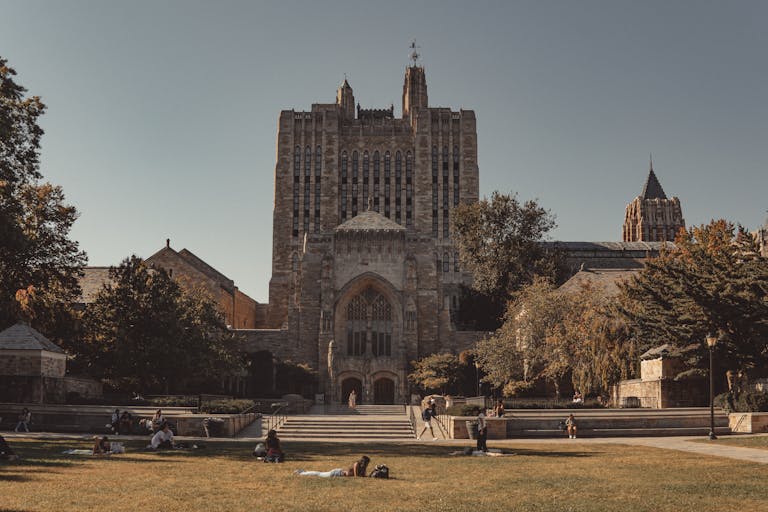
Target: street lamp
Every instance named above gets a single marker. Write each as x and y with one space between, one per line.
711 342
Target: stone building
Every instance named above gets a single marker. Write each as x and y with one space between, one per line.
240 311
365 275
33 369
651 217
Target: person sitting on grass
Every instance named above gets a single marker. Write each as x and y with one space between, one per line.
359 468
163 439
570 425
102 446
272 444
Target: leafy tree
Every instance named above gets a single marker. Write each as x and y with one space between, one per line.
145 333
438 372
499 242
39 264
713 281
555 336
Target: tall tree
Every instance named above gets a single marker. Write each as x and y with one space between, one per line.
145 333
39 263
499 242
713 281
438 372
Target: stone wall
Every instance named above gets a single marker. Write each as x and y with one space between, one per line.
662 393
32 363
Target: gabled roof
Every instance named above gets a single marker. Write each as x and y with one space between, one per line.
203 267
652 188
604 279
369 221
23 337
92 281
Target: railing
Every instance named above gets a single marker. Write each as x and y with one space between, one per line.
278 415
411 419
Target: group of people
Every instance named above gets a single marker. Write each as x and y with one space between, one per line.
121 422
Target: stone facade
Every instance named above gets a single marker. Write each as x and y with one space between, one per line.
365 275
651 217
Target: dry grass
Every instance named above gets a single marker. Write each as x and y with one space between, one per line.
224 476
760 441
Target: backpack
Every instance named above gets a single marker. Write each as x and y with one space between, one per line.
381 471
426 414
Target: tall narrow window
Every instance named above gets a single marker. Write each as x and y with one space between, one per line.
381 327
376 180
408 189
387 178
318 173
455 261
343 186
434 190
354 183
398 187
446 262
357 318
366 163
307 175
446 192
455 175
296 185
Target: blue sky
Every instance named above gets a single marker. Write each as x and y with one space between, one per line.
162 115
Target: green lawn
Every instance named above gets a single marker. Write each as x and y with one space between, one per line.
224 476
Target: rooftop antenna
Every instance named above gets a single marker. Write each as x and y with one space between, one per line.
414 53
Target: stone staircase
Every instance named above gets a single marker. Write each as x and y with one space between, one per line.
332 422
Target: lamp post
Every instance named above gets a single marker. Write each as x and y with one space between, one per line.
711 342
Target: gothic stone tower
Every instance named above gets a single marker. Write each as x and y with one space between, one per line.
651 217
365 275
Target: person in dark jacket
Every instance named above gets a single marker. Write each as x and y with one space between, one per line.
427 414
274 451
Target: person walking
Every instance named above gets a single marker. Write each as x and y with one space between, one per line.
352 399
482 431
427 414
24 419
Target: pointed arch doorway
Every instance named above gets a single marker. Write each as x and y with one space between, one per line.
347 385
384 391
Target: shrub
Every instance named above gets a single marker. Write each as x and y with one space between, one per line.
226 406
462 410
174 401
748 401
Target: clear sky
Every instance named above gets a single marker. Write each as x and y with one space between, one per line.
162 114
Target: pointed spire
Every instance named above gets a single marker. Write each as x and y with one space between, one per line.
652 188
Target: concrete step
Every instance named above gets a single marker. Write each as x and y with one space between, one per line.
624 432
347 427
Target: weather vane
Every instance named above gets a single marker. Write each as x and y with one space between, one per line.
414 54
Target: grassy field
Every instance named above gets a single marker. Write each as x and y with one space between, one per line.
225 477
747 442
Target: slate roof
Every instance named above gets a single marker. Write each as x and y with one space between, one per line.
609 246
606 279
652 188
204 267
93 280
369 221
23 337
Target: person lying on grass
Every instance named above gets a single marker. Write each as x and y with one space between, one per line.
102 446
357 469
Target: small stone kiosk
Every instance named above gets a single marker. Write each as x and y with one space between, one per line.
33 368
658 386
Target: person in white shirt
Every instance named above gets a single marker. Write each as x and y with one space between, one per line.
482 430
163 438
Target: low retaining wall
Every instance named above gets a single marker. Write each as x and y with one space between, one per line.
94 419
748 422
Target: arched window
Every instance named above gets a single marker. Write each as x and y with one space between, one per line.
376 178
369 316
446 262
434 190
307 174
318 173
408 189
366 163
296 186
446 192
455 175
387 177
354 183
398 187
357 318
343 185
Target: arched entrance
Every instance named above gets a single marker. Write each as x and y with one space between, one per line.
347 385
384 391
